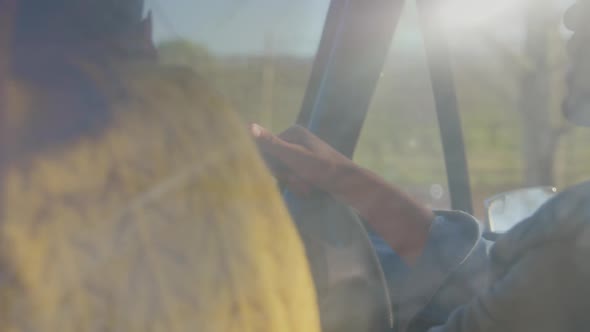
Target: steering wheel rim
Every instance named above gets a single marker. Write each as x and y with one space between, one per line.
350 283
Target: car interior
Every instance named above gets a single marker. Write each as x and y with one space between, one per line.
388 85
322 64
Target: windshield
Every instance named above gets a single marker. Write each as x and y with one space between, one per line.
259 53
509 64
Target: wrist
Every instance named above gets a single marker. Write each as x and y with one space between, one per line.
400 220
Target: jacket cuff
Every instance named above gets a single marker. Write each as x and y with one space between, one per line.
452 238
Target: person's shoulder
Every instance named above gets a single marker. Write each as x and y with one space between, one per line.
563 219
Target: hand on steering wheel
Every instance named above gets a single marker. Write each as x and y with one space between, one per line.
352 292
300 159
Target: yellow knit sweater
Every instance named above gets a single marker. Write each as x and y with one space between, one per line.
167 221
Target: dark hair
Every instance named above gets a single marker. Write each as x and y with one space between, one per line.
79 20
67 24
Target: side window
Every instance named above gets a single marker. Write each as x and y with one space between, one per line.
400 139
510 65
258 53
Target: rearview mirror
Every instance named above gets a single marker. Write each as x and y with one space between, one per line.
505 210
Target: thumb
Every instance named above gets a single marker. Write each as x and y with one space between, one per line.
259 132
273 147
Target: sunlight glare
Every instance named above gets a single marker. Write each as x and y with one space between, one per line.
472 14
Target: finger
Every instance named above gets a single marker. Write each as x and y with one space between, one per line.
293 156
296 134
273 163
298 159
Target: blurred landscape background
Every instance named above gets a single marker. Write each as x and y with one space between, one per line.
509 64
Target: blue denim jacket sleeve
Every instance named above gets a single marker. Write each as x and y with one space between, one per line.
539 272
533 278
453 269
450 272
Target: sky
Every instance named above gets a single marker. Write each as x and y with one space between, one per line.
294 27
243 26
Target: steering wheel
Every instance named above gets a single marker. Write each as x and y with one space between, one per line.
353 295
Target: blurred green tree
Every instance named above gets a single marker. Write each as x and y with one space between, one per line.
186 53
541 93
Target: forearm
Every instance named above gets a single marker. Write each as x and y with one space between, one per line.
400 220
